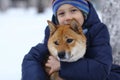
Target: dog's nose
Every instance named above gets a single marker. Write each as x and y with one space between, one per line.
61 55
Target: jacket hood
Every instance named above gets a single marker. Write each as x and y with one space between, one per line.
92 17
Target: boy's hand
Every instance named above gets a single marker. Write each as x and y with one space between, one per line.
53 64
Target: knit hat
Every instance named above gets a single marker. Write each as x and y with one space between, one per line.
80 4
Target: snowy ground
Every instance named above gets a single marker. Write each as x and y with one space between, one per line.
20 29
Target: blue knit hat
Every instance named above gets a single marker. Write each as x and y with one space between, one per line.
80 4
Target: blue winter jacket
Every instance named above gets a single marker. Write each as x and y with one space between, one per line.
96 64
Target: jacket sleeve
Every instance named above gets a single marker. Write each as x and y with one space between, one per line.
97 61
32 68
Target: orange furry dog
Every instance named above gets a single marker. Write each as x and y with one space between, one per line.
66 43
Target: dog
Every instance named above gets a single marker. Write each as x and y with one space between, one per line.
66 43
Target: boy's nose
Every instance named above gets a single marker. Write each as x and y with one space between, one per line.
68 18
61 55
67 21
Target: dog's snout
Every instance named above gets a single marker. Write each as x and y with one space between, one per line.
61 55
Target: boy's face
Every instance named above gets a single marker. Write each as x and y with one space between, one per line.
66 12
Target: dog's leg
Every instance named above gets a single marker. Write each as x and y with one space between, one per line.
55 76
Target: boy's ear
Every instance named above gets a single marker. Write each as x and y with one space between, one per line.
76 26
52 27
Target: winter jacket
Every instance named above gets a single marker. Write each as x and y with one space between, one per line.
96 64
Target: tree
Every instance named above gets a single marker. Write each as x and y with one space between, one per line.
111 17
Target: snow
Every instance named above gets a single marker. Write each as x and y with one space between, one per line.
20 29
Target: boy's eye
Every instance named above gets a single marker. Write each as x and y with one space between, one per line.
61 13
74 10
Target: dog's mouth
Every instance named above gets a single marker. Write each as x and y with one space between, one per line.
65 57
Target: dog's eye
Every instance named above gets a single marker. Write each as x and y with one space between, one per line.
56 43
69 40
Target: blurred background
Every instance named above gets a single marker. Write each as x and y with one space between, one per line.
39 4
22 24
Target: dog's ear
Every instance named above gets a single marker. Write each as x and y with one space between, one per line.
76 26
52 27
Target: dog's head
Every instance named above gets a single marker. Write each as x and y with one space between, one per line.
67 42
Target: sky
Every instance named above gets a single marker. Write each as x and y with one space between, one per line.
20 29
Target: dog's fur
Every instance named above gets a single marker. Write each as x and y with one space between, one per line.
66 43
